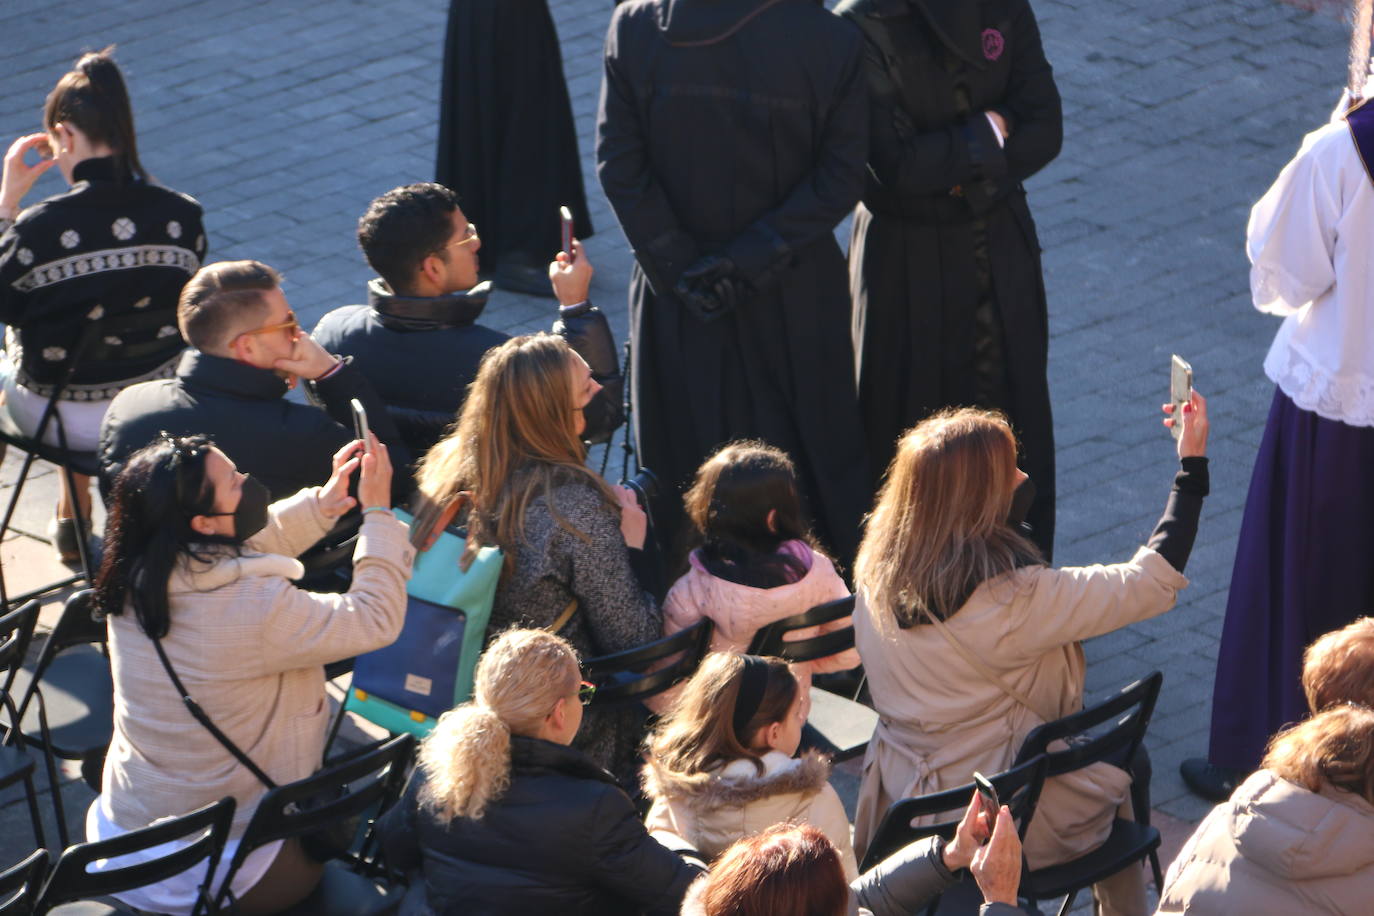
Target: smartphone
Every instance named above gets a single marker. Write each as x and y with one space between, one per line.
1180 390
566 216
360 427
989 795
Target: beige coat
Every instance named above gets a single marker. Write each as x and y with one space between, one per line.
740 611
250 647
1276 849
713 812
940 719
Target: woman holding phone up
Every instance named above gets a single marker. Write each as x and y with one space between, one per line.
970 640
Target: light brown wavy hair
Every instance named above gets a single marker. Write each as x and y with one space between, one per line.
1335 747
515 436
466 759
939 528
698 732
1339 667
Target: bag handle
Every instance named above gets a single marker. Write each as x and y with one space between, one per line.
977 664
199 715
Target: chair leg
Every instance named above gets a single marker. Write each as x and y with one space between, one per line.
50 763
1158 873
9 516
31 795
1068 903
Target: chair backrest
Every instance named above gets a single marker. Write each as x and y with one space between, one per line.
1017 788
1131 709
629 676
20 884
77 625
16 631
348 787
206 829
770 640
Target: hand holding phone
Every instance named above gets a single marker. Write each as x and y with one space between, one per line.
360 427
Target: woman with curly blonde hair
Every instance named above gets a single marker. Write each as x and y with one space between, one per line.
573 544
503 816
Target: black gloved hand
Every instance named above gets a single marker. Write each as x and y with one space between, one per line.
712 287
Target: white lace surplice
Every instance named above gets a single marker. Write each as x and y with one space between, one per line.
1309 246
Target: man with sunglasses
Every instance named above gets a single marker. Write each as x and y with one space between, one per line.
418 341
247 351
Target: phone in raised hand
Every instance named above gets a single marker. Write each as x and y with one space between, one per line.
360 427
565 215
1180 390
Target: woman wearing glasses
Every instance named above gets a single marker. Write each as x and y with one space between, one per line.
114 246
502 816
197 582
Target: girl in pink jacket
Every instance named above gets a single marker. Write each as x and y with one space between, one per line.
754 560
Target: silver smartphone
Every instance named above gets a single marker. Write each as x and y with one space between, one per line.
1180 390
360 427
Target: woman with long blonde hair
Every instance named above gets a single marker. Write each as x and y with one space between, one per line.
721 764
573 544
503 816
970 641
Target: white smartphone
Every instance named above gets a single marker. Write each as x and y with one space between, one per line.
1180 390
360 427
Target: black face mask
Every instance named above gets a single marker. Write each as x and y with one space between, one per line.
1021 501
251 515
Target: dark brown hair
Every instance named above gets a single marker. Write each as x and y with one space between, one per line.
92 97
1339 667
223 300
788 870
728 507
1335 747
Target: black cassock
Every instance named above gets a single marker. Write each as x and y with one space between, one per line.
507 143
949 301
739 127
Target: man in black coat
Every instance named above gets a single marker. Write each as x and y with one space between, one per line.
418 341
731 141
246 352
949 301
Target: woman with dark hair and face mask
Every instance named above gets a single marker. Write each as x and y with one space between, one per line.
197 582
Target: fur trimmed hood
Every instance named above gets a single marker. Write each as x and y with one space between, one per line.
739 782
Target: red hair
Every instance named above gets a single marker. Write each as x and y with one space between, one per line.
788 870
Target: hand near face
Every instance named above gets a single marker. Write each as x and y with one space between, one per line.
307 360
18 176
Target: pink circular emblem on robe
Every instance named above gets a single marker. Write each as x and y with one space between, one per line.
993 43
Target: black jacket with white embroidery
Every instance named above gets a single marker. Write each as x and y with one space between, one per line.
105 249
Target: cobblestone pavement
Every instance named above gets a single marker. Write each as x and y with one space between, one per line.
285 118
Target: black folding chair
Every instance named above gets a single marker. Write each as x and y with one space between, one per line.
204 831
73 716
1129 841
16 629
110 341
836 726
358 785
1018 788
20 884
631 676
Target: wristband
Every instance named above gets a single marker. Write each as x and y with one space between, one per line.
338 364
386 509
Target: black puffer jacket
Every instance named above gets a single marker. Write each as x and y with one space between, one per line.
563 839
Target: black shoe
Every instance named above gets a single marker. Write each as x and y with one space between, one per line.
1208 780
522 276
64 536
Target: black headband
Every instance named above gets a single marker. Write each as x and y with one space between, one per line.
753 685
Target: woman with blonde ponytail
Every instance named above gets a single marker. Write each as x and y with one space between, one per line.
573 544
502 816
